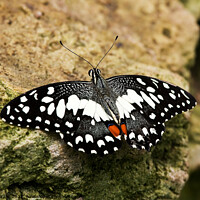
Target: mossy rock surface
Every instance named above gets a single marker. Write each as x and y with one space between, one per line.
153 40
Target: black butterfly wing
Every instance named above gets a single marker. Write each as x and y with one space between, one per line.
153 102
67 108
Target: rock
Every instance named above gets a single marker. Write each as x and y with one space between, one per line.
193 6
153 40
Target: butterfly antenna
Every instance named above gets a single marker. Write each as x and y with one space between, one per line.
76 54
107 51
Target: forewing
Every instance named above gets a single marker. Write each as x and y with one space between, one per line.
46 107
158 101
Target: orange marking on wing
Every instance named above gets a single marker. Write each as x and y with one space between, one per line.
114 130
124 130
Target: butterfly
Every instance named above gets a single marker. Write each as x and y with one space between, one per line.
92 117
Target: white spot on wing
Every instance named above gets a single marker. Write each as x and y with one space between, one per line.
26 109
61 135
12 117
93 122
47 121
3 119
153 131
42 108
105 152
166 85
89 138
100 143
154 98
115 149
23 99
154 80
47 99
16 110
51 108
133 117
21 105
135 97
101 113
60 109
70 144
78 139
148 100
36 96
33 92
93 152
172 96
134 146
29 120
140 138
183 92
57 125
81 149
160 97
69 124
152 116
150 89
50 90
172 91
73 103
170 105
188 102
39 119
20 119
145 131
131 135
125 103
90 108
139 80
8 110
109 138
157 141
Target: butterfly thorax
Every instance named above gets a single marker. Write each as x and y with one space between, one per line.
107 96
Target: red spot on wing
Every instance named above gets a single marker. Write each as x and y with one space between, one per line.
124 129
114 130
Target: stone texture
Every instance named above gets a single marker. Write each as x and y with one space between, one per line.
193 6
153 40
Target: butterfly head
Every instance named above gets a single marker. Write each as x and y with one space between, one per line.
95 74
